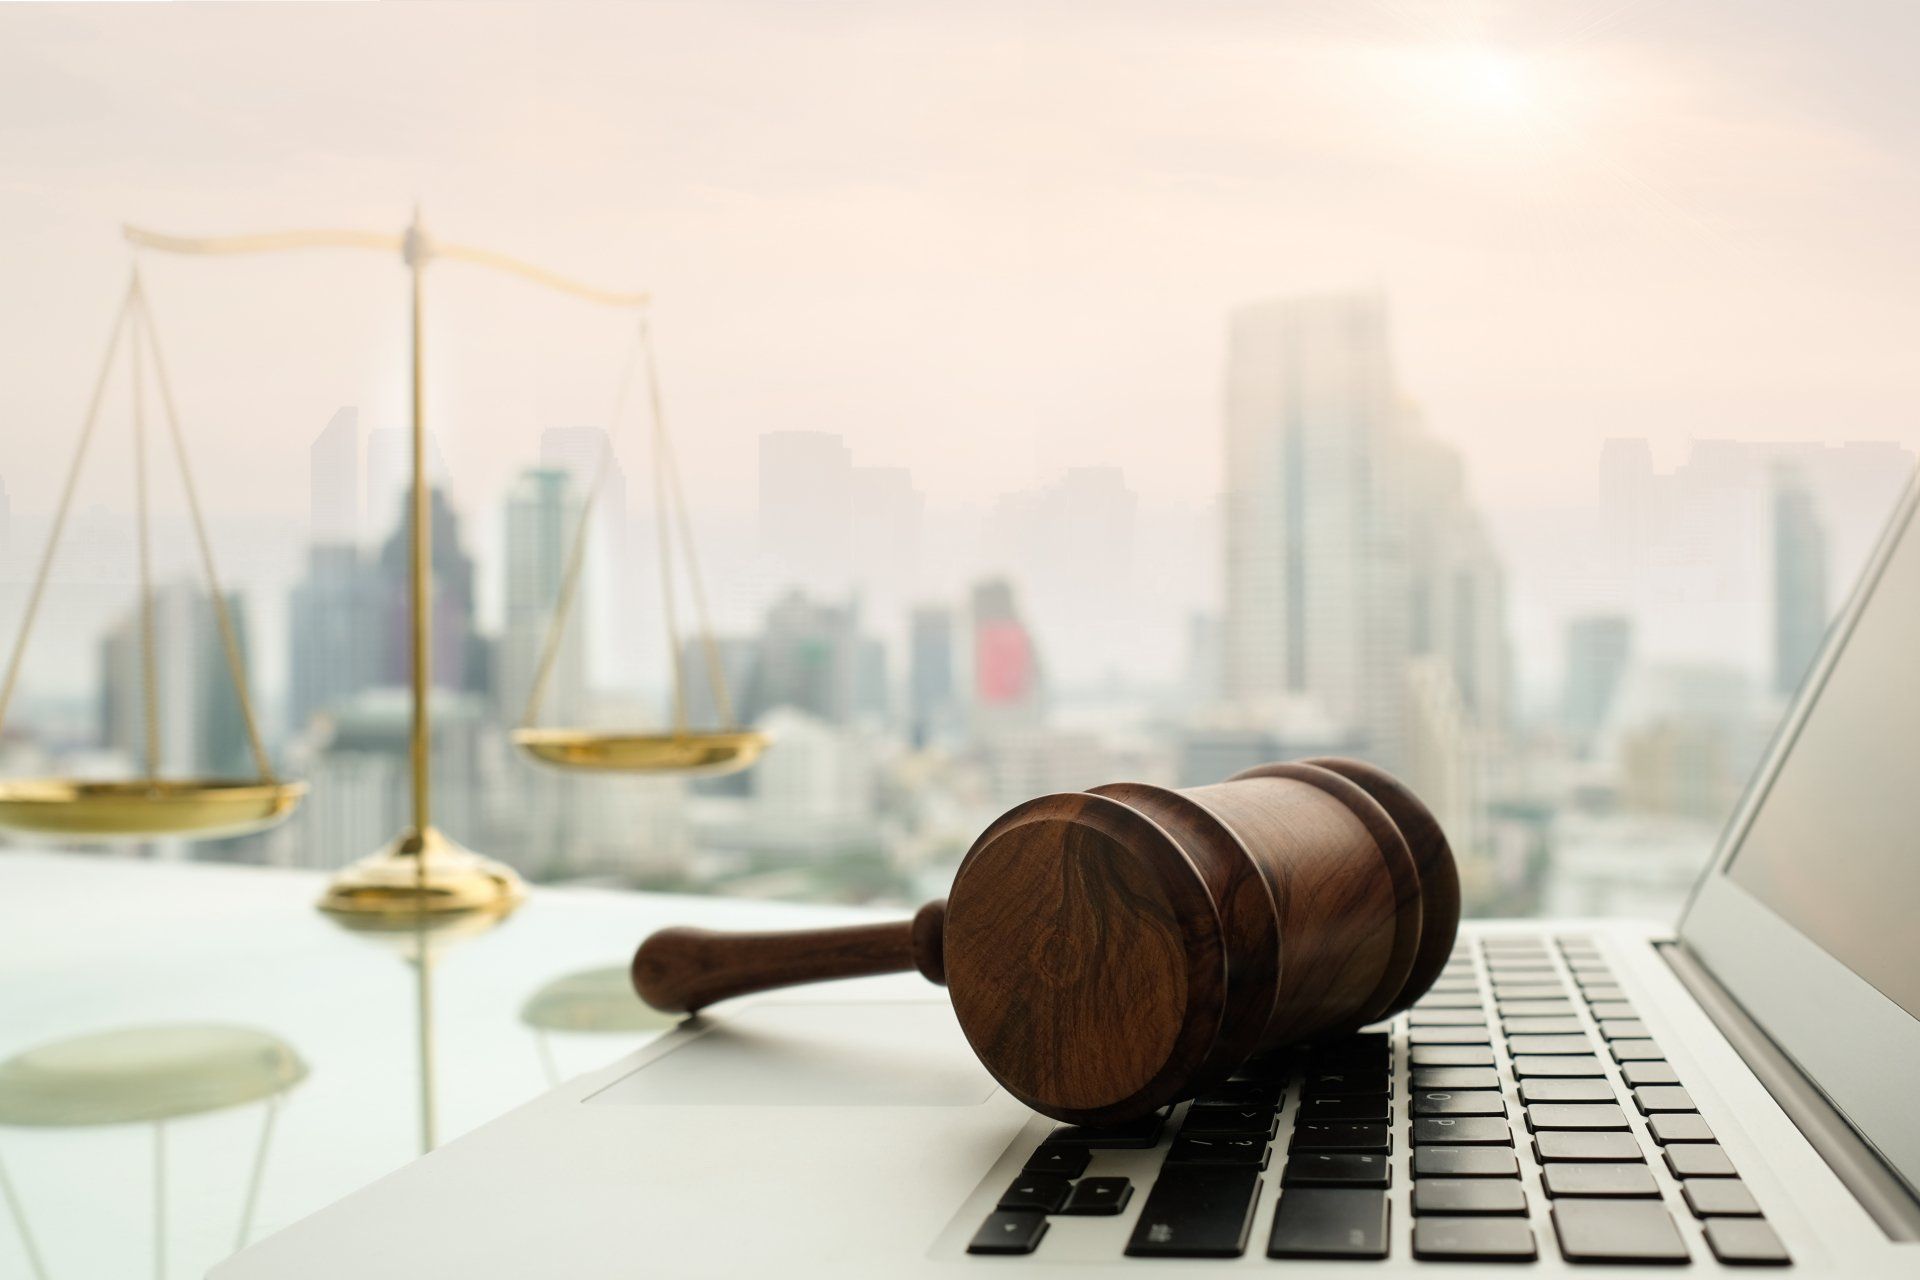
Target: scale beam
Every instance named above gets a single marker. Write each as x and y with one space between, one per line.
421 872
285 241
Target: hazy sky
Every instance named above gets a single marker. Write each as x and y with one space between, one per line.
981 241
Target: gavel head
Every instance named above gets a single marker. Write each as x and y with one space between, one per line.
1113 951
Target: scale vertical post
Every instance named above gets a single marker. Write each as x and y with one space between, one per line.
421 873
420 551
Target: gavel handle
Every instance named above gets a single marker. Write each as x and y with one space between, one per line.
681 970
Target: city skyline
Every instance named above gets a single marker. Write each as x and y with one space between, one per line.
922 665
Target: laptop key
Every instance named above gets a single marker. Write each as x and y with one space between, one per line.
1637 1074
1466 1102
1329 1222
1356 1042
1196 1212
1535 1008
1450 1035
1602 992
1347 1084
1532 1065
1044 1192
1528 991
1469 1195
1454 1078
1009 1231
1576 1115
1449 1000
1247 1120
1136 1134
1720 1198
1465 1239
1543 1027
1465 1162
1669 1127
1623 1029
1446 1017
1099 1197
1336 1169
1464 1131
1746 1242
1377 1109
1631 1181
1449 1055
1573 1144
1051 1157
1699 1160
1548 1045
1617 1231
1313 1135
1609 1010
1241 1093
1663 1097
1219 1148
1566 1089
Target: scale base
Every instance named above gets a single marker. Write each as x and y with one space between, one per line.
422 874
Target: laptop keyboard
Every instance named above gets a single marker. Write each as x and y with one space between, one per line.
1525 1073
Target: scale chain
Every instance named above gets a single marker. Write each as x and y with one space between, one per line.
40 576
149 659
223 615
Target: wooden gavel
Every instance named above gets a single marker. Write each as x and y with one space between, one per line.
1115 950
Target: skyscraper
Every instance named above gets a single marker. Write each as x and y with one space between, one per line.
200 726
1799 581
543 508
1599 648
460 655
333 460
814 657
543 811
583 452
1316 571
389 454
334 633
1007 684
932 705
1456 584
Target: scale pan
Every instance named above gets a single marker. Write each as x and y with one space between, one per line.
200 808
700 753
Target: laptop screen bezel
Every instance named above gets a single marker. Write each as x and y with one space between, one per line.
1851 1041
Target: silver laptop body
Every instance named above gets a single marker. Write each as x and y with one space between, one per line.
848 1131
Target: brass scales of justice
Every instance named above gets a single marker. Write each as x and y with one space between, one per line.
421 872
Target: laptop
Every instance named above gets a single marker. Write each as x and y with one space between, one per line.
1737 1091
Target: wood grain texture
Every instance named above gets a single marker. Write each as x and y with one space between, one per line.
1335 908
1113 951
1432 860
682 970
1248 918
1085 959
1386 866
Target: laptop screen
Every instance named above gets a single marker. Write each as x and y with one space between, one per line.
1811 917
1834 845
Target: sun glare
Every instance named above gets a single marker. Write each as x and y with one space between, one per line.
1493 80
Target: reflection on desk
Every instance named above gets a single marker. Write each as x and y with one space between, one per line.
146 1075
191 1056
